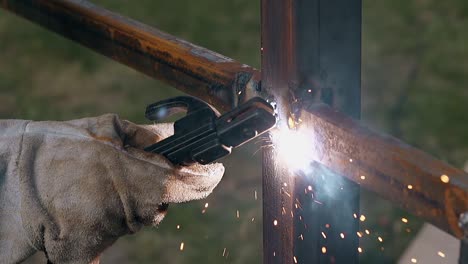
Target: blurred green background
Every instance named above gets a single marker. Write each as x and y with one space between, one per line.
415 73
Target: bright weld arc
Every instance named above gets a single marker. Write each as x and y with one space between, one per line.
293 146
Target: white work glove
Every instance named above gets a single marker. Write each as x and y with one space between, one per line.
73 188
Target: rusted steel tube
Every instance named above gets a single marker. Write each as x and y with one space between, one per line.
406 176
190 68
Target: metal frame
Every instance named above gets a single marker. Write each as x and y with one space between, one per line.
343 145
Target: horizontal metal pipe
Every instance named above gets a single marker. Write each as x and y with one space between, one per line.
192 69
406 176
396 171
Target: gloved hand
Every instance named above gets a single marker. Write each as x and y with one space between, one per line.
72 188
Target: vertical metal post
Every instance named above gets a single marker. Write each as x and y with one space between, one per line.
278 67
311 52
463 258
463 223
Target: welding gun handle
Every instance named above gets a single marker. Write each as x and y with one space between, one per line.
189 148
180 104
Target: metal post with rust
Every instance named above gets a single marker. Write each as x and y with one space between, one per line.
278 69
311 52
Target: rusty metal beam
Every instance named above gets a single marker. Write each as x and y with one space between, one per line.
389 165
406 176
190 68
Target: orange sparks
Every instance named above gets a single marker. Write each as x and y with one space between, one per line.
275 222
441 254
324 250
404 220
362 218
445 179
181 246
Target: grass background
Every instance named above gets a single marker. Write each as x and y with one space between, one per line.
415 73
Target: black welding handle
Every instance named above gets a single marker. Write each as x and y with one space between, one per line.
194 138
180 104
202 135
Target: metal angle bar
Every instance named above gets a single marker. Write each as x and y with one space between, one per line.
190 68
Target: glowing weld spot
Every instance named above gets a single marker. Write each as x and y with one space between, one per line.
293 147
